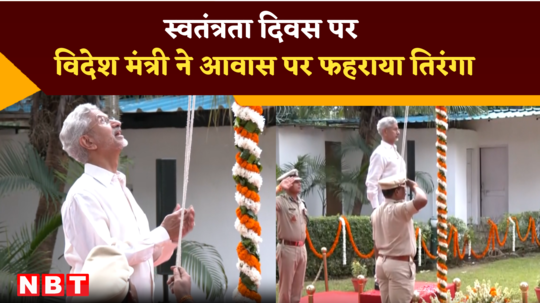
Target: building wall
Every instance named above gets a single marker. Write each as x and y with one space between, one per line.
210 190
522 138
466 139
296 141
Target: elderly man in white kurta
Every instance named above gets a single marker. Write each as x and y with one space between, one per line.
385 161
100 209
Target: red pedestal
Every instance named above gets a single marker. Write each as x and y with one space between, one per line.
426 290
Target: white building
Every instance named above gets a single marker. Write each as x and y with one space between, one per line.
211 188
498 151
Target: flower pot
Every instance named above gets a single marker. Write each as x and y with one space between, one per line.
356 285
537 290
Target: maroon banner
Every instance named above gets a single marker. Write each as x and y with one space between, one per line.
501 37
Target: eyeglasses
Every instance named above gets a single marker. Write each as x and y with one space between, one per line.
104 120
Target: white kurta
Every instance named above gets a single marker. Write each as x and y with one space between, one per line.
385 161
100 210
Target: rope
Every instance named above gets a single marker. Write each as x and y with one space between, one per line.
187 157
318 274
404 140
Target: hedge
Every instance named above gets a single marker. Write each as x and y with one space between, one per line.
323 230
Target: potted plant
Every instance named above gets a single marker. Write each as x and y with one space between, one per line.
357 269
537 289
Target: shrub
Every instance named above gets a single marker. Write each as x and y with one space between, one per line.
323 230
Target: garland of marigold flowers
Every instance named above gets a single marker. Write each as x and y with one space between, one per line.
336 240
442 225
531 228
331 251
248 124
453 233
501 243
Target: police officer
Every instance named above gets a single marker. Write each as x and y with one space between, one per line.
385 161
291 254
395 240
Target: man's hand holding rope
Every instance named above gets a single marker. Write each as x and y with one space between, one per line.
171 223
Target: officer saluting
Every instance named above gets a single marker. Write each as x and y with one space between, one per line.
395 239
291 254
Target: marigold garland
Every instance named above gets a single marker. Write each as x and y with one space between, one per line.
501 243
493 233
244 255
248 193
244 133
356 250
245 164
442 225
257 109
455 234
248 124
531 229
490 238
248 221
328 253
253 295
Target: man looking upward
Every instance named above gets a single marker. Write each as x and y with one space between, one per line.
101 211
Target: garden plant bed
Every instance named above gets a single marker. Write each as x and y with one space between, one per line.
508 272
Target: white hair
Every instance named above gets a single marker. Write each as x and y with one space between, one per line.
385 123
75 126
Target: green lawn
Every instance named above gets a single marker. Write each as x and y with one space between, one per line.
508 273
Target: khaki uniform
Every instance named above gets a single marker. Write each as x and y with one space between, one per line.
291 254
394 236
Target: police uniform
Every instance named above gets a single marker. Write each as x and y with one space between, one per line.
394 237
291 254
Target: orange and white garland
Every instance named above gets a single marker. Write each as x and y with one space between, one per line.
248 125
442 225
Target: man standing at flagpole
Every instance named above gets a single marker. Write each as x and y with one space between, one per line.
385 161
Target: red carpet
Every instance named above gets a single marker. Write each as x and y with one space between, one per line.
426 290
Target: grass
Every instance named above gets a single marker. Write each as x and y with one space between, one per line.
507 273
